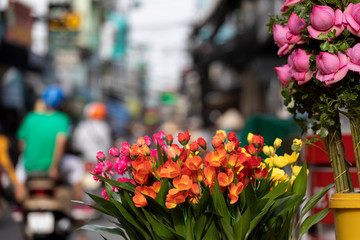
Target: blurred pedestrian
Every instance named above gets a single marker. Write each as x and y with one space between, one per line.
42 136
93 134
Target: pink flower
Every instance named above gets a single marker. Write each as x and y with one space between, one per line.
147 140
101 169
104 194
296 25
323 19
300 66
354 55
284 74
114 152
289 3
121 166
125 149
280 38
100 156
331 68
352 18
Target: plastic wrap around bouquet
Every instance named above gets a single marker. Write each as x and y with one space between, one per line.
187 191
320 41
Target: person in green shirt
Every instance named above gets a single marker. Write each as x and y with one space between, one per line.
42 139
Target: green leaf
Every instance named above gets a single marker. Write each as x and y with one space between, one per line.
159 229
112 230
212 233
200 226
324 46
132 220
219 203
300 183
322 36
200 208
178 220
242 225
161 196
311 220
128 186
189 225
287 204
314 199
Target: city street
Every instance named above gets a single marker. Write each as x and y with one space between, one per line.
11 230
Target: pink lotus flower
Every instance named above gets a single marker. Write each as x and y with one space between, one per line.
289 3
300 66
296 25
121 166
281 40
354 55
331 68
352 18
284 74
324 19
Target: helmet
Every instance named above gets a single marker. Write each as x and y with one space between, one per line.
96 110
53 96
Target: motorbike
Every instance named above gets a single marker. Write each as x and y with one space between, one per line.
46 208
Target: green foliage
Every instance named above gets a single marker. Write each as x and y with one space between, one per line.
257 213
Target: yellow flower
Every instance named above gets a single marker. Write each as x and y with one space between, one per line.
278 175
269 161
297 142
280 161
250 137
277 143
296 170
268 151
291 159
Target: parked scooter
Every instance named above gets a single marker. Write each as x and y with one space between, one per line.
46 209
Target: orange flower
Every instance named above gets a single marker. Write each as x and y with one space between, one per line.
225 179
183 183
216 142
142 164
139 200
193 163
195 189
215 158
175 197
148 191
140 141
233 161
134 151
141 176
144 150
229 147
234 191
156 186
221 134
173 152
169 170
210 175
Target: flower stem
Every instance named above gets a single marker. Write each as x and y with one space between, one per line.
336 153
355 133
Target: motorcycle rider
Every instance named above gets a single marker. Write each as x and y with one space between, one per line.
42 136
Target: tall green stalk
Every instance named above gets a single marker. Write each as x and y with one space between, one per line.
336 151
355 133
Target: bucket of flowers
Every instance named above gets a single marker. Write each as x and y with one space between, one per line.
320 40
187 191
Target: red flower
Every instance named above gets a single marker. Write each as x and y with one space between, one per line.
169 139
231 136
184 138
201 143
194 146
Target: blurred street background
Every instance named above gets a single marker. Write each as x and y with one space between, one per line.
179 65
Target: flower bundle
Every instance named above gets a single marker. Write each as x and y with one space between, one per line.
183 191
320 40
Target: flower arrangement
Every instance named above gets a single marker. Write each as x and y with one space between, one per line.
320 39
184 191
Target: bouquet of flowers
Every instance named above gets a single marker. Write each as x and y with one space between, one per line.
184 191
320 39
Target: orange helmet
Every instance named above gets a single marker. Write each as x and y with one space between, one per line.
96 110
